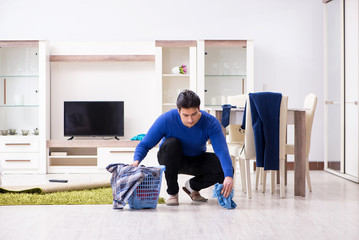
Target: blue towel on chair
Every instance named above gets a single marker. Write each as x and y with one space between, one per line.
224 202
265 110
226 112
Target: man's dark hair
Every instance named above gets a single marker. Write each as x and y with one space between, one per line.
188 99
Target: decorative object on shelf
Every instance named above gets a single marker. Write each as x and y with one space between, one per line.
4 132
180 70
12 131
25 132
183 69
36 131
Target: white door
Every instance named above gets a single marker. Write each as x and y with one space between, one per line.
334 91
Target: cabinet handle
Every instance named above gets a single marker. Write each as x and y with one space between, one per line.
121 151
17 160
17 144
329 102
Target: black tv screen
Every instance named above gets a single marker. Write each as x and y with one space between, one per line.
94 118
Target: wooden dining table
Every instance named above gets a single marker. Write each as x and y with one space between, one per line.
296 117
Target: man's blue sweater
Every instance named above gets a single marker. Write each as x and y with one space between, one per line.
193 139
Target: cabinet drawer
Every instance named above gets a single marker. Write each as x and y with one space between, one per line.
19 160
19 144
107 156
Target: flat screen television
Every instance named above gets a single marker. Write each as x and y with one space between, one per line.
100 118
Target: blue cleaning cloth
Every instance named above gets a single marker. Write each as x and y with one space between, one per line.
226 113
139 137
224 202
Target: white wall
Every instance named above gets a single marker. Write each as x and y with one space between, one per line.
287 34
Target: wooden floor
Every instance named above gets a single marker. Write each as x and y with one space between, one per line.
331 211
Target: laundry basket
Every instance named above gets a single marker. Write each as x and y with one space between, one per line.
146 194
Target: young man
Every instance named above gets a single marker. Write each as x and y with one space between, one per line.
184 133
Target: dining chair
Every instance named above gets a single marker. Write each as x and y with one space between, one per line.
310 104
282 147
246 152
235 138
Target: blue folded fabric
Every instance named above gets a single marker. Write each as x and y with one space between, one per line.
224 202
138 137
226 113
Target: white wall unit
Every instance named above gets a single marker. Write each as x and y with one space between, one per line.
225 68
341 88
24 104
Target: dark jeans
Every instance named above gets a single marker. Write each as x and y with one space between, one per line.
206 168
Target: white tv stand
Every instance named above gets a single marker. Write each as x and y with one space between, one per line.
92 156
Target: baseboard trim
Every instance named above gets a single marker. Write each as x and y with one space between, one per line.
312 165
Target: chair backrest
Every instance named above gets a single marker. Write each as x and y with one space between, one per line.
249 149
238 100
234 135
283 126
310 102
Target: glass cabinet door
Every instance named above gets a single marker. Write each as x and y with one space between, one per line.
19 85
225 71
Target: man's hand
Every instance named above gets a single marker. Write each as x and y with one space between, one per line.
227 186
135 163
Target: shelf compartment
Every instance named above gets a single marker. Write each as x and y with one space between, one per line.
74 157
73 161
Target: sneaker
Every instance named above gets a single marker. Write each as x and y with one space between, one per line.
172 200
195 196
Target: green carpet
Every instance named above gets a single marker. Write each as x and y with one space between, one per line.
88 196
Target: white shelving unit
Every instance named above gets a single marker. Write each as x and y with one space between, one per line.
24 105
169 55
